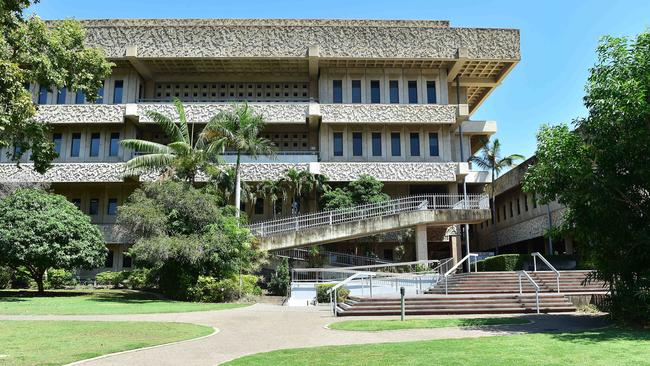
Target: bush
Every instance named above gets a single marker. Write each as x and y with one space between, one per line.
280 280
21 279
5 277
322 296
60 278
141 278
208 289
110 278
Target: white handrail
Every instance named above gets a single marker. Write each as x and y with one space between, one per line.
356 213
333 289
549 265
530 279
455 267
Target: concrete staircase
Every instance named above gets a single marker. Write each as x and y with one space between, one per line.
570 282
456 304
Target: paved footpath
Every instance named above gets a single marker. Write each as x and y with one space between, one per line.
265 327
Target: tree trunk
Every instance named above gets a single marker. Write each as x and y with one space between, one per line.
237 188
39 283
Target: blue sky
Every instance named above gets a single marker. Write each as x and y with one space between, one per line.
558 39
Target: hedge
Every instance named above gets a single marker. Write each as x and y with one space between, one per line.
322 296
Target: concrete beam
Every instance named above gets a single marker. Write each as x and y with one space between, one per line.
138 65
313 54
461 58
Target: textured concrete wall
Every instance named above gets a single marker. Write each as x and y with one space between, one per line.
272 112
388 113
80 113
219 38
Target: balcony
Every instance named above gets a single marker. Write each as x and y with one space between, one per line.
80 113
389 113
297 157
203 112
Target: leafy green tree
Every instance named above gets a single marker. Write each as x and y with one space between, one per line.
281 279
53 55
490 159
39 230
337 198
238 130
273 190
183 157
182 232
366 189
601 172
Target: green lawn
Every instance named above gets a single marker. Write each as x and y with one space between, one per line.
376 325
593 348
96 302
62 342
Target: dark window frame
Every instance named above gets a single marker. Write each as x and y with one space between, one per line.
376 144
395 149
337 91
414 149
393 91
337 144
355 91
357 143
412 87
94 148
375 91
434 149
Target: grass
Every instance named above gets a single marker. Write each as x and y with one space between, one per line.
593 348
377 325
97 303
62 342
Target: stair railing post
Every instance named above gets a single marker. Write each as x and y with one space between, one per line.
520 289
335 299
537 299
534 263
330 218
370 286
446 291
557 278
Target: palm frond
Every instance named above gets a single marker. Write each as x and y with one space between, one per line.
145 146
182 118
149 163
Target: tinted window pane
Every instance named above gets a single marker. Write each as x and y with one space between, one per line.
114 147
75 145
338 143
395 146
376 144
415 144
93 208
356 91
337 91
60 96
357 144
80 97
375 93
57 139
111 209
394 91
100 95
42 95
413 91
117 91
433 144
94 144
431 92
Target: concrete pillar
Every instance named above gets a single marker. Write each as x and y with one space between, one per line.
421 248
456 249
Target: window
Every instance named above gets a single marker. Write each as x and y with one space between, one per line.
57 139
414 139
525 203
375 91
118 91
126 261
413 91
395 145
393 85
60 96
356 91
504 213
80 97
259 206
510 204
109 259
114 145
431 92
42 95
357 144
94 144
75 145
376 144
77 202
93 207
111 208
337 91
433 144
518 207
100 95
338 143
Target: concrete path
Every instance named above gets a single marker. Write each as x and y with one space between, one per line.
265 327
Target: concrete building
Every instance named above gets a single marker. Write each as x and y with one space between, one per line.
392 99
521 224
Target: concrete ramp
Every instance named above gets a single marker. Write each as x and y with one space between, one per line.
361 221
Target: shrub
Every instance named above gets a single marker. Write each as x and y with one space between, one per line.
322 296
5 277
503 262
208 289
21 279
60 278
110 278
280 280
141 278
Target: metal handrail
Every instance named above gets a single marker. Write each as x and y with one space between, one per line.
530 279
332 292
361 212
339 258
455 267
549 265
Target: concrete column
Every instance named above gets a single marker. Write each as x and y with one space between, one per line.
456 249
421 248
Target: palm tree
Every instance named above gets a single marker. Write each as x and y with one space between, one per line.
237 130
490 159
224 180
298 182
273 190
181 157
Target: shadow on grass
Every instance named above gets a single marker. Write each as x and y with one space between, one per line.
591 337
544 323
116 296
